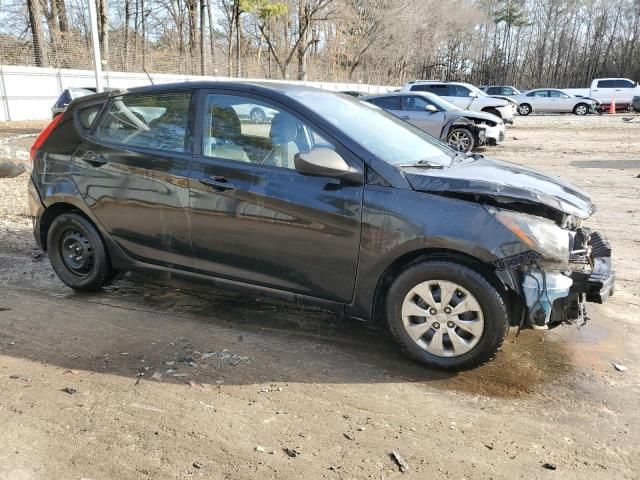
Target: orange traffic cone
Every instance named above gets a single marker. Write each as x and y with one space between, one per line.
612 107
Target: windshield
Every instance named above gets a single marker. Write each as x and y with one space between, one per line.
390 139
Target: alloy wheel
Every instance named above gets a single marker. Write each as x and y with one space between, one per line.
443 318
460 141
581 110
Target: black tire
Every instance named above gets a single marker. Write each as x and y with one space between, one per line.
524 109
493 111
581 109
257 115
461 139
67 233
496 322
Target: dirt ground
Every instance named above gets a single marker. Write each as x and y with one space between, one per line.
171 384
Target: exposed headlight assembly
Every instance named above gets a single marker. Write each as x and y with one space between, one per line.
539 234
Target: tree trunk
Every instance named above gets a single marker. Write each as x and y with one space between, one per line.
103 30
212 36
37 34
203 24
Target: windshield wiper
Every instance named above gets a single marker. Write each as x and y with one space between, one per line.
422 164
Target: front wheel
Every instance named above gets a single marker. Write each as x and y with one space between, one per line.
581 109
524 109
77 253
461 139
446 315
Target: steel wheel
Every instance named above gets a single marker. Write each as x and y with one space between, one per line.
461 140
442 318
76 252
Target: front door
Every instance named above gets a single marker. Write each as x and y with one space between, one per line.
414 107
254 218
133 171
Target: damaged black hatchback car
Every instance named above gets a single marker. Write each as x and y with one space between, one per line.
319 199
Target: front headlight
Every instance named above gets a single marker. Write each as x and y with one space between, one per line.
539 234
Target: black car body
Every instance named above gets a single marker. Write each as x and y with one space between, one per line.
336 204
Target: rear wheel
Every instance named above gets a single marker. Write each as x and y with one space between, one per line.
77 253
257 115
446 315
461 139
581 109
524 109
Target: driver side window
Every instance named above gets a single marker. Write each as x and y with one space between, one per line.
248 130
414 104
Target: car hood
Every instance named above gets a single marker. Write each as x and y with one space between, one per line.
505 180
472 114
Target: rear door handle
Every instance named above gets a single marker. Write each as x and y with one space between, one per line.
220 184
95 159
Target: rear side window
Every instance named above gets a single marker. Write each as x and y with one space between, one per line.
607 84
388 103
87 116
538 93
157 121
494 91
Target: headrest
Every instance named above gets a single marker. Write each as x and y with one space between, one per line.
284 128
225 124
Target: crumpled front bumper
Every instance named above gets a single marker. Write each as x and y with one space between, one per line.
599 284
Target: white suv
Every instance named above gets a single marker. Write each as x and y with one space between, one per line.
465 96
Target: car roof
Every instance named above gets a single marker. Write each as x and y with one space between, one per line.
281 87
399 94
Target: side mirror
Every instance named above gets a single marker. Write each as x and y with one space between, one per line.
473 94
325 162
430 109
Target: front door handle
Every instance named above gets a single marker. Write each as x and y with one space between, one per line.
94 158
220 184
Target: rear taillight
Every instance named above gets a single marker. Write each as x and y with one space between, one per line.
42 136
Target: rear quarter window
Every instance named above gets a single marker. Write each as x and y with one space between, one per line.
87 116
157 121
607 84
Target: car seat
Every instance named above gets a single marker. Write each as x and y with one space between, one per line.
284 130
225 130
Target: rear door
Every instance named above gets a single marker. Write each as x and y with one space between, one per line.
391 104
254 218
413 107
132 170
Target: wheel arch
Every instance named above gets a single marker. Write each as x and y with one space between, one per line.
408 259
53 211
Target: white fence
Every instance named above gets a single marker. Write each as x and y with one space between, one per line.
28 93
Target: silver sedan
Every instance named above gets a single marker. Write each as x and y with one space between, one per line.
547 100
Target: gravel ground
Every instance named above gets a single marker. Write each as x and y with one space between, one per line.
164 383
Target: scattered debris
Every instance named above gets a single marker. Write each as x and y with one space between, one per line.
549 466
69 390
628 119
348 436
197 465
156 375
171 364
4 309
489 446
225 357
14 377
260 449
37 255
206 405
180 375
361 429
292 452
402 465
73 372
619 367
138 378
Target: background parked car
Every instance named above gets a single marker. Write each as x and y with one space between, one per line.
554 100
67 95
465 96
254 113
500 90
636 103
432 114
622 90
